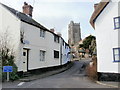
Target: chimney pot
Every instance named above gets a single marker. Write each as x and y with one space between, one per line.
27 9
52 30
25 3
59 34
95 6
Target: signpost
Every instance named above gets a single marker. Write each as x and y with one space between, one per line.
7 69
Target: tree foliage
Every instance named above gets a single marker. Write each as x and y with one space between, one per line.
88 41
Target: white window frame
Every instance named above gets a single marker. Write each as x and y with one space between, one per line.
116 54
42 55
56 53
42 33
56 39
117 23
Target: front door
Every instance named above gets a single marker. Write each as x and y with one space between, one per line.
25 60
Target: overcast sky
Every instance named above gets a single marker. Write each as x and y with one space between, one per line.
57 14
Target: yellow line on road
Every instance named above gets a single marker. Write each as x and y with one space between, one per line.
106 84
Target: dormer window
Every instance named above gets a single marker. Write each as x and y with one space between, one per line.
117 23
42 33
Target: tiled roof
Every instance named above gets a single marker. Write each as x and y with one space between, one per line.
23 17
98 10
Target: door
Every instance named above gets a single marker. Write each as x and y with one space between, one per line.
25 60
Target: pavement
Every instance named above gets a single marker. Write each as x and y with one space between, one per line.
109 83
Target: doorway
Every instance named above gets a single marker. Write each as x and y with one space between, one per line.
25 60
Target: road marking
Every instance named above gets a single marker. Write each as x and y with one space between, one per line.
20 84
107 84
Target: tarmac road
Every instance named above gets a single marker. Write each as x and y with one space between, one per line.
72 78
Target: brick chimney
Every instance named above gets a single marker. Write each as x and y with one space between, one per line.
95 6
59 34
27 9
52 30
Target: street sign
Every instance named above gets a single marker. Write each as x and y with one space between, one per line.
7 68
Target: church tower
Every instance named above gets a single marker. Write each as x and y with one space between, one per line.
74 33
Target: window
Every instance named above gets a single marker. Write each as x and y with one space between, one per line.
24 53
65 46
117 22
56 38
42 55
56 54
42 33
116 54
63 42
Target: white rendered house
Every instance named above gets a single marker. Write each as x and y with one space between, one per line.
106 22
34 45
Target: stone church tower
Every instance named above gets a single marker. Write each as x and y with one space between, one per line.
74 33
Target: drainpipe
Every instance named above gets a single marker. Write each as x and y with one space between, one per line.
61 52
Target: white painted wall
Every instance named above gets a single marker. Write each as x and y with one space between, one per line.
36 43
107 39
10 24
65 51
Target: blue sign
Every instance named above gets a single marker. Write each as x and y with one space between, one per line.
7 68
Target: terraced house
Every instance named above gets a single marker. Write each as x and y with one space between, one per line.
34 45
106 22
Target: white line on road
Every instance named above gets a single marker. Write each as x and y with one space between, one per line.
107 84
20 84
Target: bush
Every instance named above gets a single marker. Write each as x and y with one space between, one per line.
92 69
8 60
13 75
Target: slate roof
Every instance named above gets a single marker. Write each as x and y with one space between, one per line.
23 17
98 11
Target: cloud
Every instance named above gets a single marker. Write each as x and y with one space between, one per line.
58 13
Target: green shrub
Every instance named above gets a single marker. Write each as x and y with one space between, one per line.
8 60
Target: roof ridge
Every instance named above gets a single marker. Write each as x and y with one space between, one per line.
98 10
22 16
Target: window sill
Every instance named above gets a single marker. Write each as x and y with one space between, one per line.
56 58
56 42
116 28
116 61
42 37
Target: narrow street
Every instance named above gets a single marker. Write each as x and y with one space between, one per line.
73 78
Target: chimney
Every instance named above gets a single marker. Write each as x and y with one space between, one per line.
59 34
27 9
95 6
52 30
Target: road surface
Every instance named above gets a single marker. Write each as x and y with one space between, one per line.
73 78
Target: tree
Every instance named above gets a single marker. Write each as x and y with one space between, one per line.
88 41
92 47
80 45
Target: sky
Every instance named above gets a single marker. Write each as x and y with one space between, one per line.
57 14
